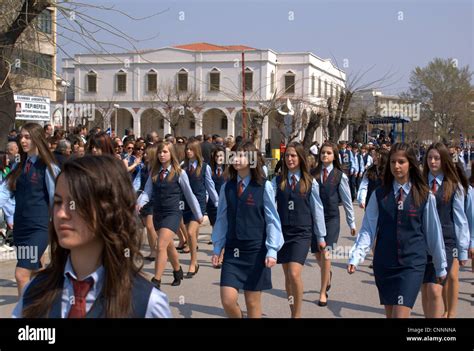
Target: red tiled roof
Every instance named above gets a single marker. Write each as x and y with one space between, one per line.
212 47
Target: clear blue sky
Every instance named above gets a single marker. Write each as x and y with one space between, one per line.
366 33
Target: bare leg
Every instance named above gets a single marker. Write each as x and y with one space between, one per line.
22 277
453 289
151 235
289 293
229 299
434 300
165 237
325 269
253 301
401 311
296 283
193 230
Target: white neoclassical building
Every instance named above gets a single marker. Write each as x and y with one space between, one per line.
212 73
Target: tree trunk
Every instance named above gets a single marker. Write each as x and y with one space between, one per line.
7 104
256 130
313 124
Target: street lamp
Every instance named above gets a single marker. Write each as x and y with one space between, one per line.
116 107
65 84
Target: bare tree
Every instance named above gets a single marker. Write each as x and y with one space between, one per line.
19 34
177 105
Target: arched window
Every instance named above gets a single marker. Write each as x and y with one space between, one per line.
214 80
91 80
121 81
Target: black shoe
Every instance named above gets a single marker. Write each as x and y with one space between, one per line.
371 266
178 276
156 283
330 280
325 303
192 274
149 258
209 242
182 247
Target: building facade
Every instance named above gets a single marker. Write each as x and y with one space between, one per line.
202 83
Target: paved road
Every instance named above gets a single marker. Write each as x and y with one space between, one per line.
350 296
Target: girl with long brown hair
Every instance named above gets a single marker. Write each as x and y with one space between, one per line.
31 184
200 179
372 177
470 214
401 216
95 268
441 176
302 217
333 188
165 187
248 227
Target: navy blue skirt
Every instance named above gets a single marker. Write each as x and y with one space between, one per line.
147 209
211 212
333 227
398 285
188 215
430 272
169 220
244 266
296 246
30 240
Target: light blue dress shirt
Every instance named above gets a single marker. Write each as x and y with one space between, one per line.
193 203
470 213
346 197
363 188
274 240
158 306
461 225
317 209
431 229
7 202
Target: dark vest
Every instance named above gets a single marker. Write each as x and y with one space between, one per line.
346 163
294 208
218 181
400 237
329 193
198 184
365 158
166 195
141 291
31 195
445 213
371 186
245 214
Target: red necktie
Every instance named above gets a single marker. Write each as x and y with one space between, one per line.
241 188
219 172
293 182
191 169
325 175
162 174
434 187
400 195
81 288
28 166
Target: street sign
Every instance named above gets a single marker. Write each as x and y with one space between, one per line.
32 108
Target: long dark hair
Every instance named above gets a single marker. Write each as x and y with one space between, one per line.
306 179
195 147
376 171
38 141
101 141
108 205
213 164
256 173
419 189
448 168
336 164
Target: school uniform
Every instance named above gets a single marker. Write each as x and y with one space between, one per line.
218 179
366 188
147 301
33 199
453 223
405 235
199 184
248 227
302 218
332 191
166 199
